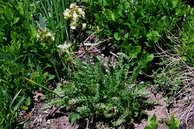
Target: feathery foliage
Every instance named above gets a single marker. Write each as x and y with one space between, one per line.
94 91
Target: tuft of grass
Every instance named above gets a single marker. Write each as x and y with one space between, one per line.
174 75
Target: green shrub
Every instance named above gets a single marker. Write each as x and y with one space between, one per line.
94 91
16 34
21 56
136 25
186 49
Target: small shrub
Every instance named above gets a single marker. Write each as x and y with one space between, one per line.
94 91
172 123
152 123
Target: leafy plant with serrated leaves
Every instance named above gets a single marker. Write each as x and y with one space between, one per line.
96 91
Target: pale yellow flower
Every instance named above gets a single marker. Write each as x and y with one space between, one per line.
75 15
49 34
73 27
67 14
81 12
83 26
64 48
73 5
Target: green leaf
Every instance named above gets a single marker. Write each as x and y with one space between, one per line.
14 99
149 58
51 77
117 36
73 117
110 15
133 51
174 3
28 101
152 123
104 3
15 20
173 123
126 36
153 36
25 108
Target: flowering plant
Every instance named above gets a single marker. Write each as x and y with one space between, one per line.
75 13
64 48
45 35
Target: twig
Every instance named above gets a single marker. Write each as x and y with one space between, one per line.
89 37
98 43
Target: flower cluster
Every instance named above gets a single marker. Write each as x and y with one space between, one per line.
64 48
45 35
74 14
